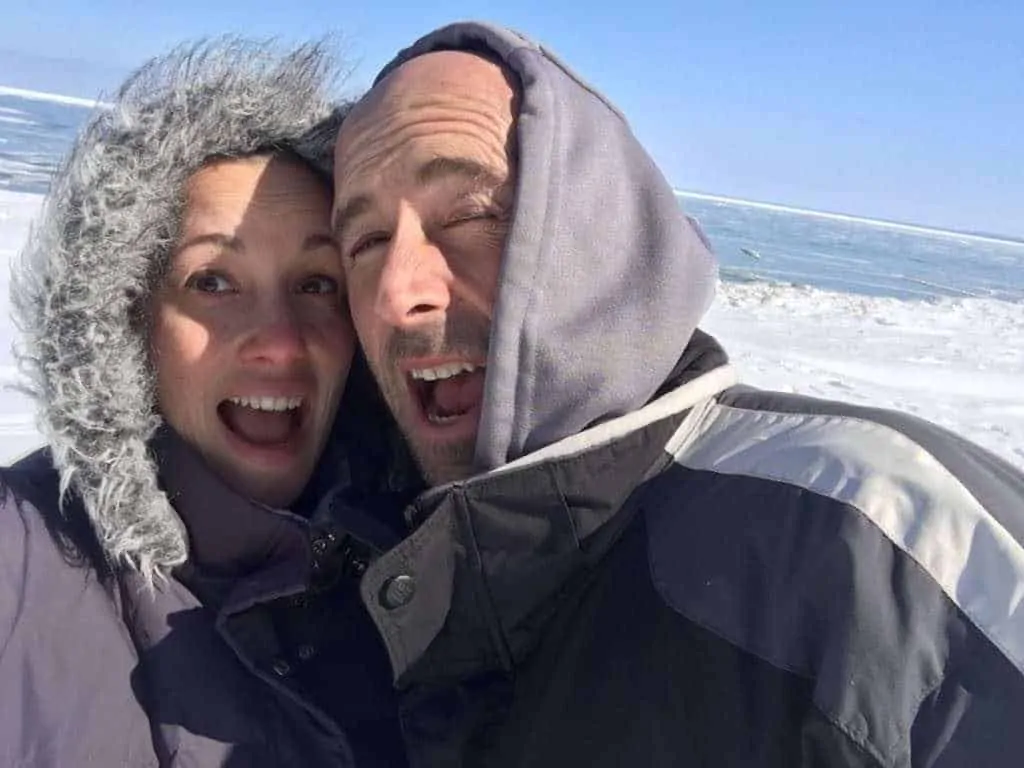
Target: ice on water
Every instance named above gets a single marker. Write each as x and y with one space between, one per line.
878 258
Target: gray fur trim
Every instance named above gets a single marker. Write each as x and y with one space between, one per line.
82 289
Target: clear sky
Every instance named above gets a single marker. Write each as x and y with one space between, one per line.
906 109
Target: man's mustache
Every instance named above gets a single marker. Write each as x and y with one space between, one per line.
463 333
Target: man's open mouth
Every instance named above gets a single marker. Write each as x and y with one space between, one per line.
263 421
448 392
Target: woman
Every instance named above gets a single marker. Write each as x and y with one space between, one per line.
188 343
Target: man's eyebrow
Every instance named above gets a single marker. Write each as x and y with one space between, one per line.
213 238
443 167
319 240
353 209
435 169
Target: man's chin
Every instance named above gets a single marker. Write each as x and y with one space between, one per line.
444 453
445 461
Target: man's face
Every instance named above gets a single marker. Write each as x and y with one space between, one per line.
423 195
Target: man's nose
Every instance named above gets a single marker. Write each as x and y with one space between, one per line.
276 337
415 281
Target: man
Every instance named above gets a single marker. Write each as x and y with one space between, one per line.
625 558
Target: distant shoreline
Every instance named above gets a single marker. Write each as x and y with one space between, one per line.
56 98
975 236
882 223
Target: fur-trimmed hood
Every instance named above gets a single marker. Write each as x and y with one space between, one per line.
81 292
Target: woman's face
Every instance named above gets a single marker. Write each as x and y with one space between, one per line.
252 339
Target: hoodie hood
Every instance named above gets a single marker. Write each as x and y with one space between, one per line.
81 293
604 278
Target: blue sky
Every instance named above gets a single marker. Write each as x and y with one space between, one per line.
906 110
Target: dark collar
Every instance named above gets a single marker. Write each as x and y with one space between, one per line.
702 354
468 590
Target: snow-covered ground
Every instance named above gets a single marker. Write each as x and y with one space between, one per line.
958 362
17 422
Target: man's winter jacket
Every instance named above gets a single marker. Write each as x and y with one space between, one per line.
656 567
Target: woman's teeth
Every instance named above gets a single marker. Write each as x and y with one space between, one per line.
268 403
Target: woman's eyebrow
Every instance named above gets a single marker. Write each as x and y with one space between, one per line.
230 242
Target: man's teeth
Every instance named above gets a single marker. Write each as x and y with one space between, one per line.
434 418
443 371
268 403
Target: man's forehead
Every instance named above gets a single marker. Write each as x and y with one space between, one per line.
459 75
409 144
442 87
446 69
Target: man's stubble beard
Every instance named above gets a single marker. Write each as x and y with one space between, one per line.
466 334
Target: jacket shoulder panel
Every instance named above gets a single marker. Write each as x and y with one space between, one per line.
31 495
23 490
897 484
806 584
997 485
814 588
65 656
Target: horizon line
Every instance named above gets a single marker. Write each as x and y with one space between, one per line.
57 98
848 217
78 101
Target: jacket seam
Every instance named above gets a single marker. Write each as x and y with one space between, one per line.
481 590
865 747
924 693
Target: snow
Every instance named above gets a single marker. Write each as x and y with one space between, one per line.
18 434
957 362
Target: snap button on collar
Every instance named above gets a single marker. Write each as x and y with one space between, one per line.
397 591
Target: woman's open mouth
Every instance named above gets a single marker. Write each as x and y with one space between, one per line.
264 422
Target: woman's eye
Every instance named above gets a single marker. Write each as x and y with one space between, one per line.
319 284
209 282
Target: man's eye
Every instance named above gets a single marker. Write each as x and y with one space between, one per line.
484 226
210 282
319 284
366 243
473 216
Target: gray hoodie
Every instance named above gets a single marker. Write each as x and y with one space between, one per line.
603 278
82 290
